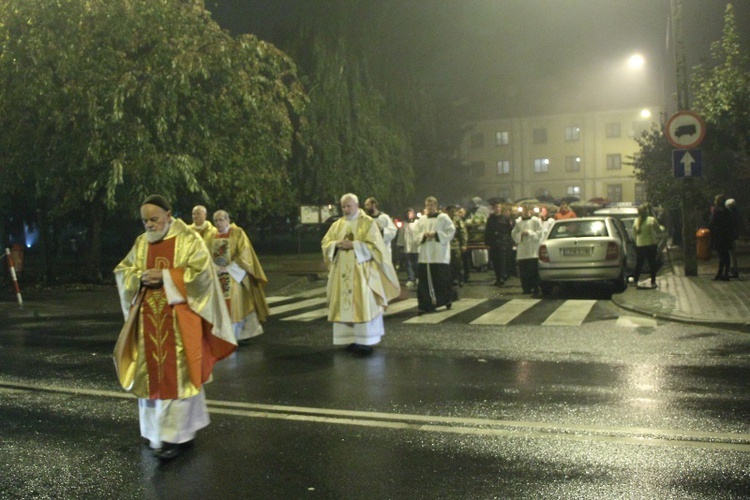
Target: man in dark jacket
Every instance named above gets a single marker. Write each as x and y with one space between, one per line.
721 236
497 237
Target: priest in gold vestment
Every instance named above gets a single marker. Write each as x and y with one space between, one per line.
177 327
200 224
241 276
361 279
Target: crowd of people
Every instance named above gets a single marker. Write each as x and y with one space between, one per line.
191 293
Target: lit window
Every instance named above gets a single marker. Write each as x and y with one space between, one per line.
614 162
503 167
541 165
501 139
572 163
573 191
572 133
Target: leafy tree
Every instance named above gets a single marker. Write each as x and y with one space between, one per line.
722 97
356 140
105 101
722 92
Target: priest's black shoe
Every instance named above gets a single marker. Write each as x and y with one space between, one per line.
168 451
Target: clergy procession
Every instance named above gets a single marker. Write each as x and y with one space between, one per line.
191 294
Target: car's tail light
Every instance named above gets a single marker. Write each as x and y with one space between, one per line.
613 251
543 254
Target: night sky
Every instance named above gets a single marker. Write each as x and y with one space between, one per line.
517 57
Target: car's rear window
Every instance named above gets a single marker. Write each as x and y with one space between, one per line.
578 229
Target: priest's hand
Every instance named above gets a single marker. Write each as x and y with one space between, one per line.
152 277
345 244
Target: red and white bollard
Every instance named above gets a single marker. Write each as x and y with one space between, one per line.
13 275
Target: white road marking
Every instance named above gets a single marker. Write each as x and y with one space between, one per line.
439 316
312 293
400 306
635 321
570 313
277 298
505 313
308 316
443 424
297 305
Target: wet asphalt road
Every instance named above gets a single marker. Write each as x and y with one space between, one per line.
607 409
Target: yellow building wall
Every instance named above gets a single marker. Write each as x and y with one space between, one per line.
593 146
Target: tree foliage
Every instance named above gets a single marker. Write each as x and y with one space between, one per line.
721 95
105 101
356 141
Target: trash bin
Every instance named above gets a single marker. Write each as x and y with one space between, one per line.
703 243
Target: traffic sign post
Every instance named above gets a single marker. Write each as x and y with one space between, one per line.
685 130
687 163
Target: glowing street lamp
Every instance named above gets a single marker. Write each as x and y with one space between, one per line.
636 61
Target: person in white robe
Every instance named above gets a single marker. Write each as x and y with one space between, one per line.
434 231
527 234
361 279
387 228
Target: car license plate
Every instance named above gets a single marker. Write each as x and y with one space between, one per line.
577 252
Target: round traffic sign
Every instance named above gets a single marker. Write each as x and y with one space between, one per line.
685 130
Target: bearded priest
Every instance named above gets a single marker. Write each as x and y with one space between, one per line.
176 327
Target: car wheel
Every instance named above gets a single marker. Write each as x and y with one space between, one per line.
621 284
545 287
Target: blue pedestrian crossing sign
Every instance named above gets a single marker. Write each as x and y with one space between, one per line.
687 163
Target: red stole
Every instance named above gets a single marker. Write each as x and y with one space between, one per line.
158 327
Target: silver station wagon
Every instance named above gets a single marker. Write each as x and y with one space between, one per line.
585 249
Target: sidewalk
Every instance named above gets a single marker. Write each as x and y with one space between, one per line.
695 299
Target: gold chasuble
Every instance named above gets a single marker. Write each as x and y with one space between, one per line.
234 251
167 351
361 281
206 230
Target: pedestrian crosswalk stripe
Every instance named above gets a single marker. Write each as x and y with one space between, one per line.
570 313
403 305
277 298
505 313
308 316
439 316
321 290
297 305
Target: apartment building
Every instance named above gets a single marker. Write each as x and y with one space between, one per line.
581 154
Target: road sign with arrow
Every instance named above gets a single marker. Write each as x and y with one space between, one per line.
687 162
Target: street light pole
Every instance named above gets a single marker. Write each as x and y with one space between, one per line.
686 191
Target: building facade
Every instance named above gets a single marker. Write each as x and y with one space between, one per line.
586 155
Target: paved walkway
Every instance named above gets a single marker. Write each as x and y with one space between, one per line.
693 299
